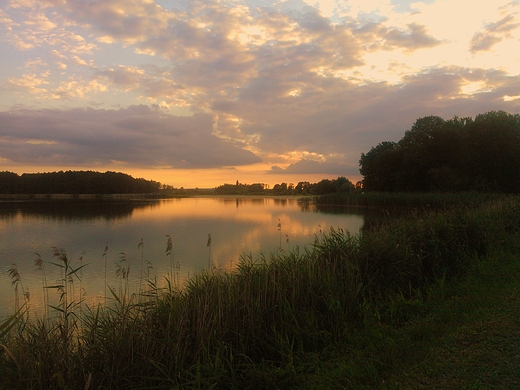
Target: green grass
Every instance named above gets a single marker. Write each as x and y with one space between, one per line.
468 340
410 304
478 332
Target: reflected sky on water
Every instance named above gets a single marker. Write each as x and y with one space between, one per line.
238 226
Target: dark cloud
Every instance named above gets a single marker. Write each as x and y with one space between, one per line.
119 19
122 77
311 20
483 42
377 36
415 38
493 33
139 136
337 118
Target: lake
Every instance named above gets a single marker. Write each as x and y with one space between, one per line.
130 239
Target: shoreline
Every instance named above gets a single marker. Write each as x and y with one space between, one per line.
105 197
244 196
75 196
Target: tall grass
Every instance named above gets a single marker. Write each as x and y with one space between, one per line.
208 245
399 200
39 263
105 255
16 282
141 246
244 329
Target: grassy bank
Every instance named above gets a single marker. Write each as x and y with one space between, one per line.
408 200
353 312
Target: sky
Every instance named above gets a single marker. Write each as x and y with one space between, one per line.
205 92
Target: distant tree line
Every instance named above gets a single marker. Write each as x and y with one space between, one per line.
75 182
324 187
241 189
460 154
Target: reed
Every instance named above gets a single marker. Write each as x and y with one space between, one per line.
169 247
122 274
250 327
82 292
279 226
141 246
16 282
38 262
67 302
105 255
208 245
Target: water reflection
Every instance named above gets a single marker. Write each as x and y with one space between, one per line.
72 210
373 217
242 201
237 225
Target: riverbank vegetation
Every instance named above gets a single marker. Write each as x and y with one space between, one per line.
404 201
75 182
341 185
350 312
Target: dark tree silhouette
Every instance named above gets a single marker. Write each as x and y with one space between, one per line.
75 182
460 154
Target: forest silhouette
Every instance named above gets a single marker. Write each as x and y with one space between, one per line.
459 154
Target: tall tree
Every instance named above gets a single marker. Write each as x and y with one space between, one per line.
493 144
8 182
381 166
459 154
418 147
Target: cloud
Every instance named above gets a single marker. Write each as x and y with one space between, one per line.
119 20
315 167
493 33
211 43
138 136
414 39
339 119
124 77
36 29
377 36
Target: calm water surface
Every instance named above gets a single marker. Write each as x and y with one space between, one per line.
238 226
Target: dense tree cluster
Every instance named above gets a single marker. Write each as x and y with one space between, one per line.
460 154
241 189
75 182
324 187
